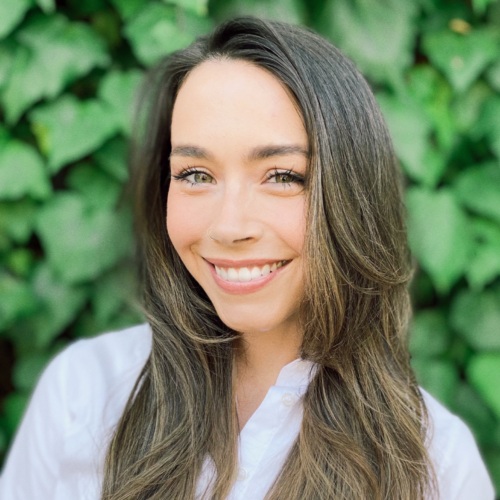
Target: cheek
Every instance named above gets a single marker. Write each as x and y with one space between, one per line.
291 225
183 225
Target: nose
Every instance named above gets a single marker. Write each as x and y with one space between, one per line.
235 217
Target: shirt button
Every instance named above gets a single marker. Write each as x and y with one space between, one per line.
242 474
287 399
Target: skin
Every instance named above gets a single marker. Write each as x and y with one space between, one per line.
237 199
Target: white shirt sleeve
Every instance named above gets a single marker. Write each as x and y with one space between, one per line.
32 465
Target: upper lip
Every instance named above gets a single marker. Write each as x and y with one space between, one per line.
242 263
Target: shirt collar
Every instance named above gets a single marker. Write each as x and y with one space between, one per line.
296 374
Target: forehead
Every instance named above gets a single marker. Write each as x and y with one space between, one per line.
233 96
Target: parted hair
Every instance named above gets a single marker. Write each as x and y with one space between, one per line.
364 428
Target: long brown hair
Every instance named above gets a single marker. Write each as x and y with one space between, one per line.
364 426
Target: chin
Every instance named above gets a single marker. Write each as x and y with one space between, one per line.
241 326
251 323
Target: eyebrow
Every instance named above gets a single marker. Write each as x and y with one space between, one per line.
258 153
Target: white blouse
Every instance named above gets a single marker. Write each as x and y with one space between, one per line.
60 446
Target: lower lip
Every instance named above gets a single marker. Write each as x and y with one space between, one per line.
247 286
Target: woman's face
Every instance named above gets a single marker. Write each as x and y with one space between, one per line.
236 202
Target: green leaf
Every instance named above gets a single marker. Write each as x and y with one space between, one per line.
492 458
467 107
198 7
477 415
17 220
81 242
7 49
439 235
480 6
484 374
18 90
478 189
476 316
429 334
290 11
16 300
4 137
87 8
3 440
51 53
462 58
96 186
22 172
112 157
158 30
493 76
20 262
89 325
488 123
48 6
111 292
361 29
485 264
128 8
28 369
438 376
59 305
14 405
119 90
11 14
410 129
430 91
68 129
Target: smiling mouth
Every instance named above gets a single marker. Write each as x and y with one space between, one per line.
246 274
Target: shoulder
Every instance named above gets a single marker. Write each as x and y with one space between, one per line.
460 470
101 371
89 382
108 355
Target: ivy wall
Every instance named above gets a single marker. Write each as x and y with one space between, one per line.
69 71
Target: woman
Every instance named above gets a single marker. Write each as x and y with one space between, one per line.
275 268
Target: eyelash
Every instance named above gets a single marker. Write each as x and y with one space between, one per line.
294 177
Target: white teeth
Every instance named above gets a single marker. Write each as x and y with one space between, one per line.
232 274
221 272
245 274
256 273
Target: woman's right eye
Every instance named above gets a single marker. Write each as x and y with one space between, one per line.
194 177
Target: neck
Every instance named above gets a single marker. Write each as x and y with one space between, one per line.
263 354
259 360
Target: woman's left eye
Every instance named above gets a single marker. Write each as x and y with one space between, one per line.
285 177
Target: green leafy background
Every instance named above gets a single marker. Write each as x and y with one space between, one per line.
69 73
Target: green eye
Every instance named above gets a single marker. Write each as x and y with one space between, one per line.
194 177
201 178
284 178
